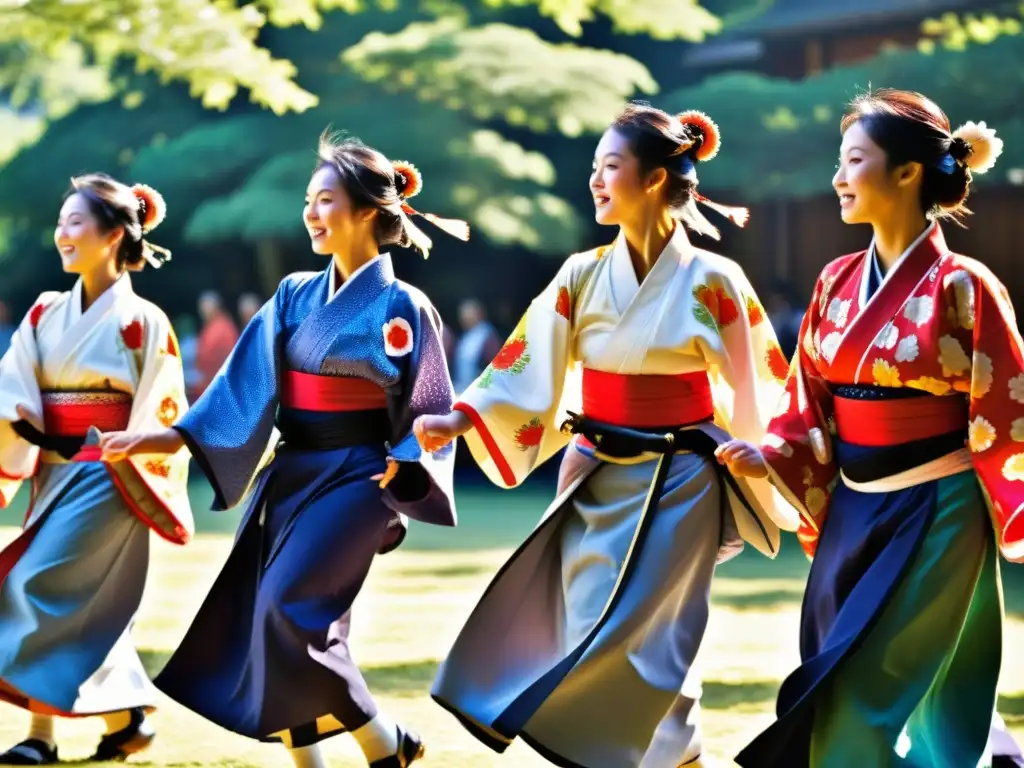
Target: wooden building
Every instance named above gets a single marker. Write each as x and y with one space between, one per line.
790 240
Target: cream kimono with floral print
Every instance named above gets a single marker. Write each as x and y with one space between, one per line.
940 323
120 344
694 311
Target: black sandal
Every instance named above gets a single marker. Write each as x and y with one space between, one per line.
30 752
410 749
1007 761
119 745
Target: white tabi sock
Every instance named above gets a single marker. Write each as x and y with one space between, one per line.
41 727
307 757
378 738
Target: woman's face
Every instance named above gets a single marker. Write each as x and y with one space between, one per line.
619 191
83 247
331 220
868 189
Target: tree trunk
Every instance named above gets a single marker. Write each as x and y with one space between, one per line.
268 266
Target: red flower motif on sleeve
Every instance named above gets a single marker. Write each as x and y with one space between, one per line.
158 467
777 363
512 357
529 435
727 311
131 335
168 411
35 314
172 345
563 305
397 337
755 314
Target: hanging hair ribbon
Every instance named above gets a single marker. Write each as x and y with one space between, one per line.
409 182
734 213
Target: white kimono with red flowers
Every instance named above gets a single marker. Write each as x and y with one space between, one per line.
941 323
582 643
71 583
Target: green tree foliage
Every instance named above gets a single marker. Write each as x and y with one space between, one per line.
781 138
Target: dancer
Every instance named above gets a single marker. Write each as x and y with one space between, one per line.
582 643
71 583
900 447
345 359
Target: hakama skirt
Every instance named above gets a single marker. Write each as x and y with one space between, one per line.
901 634
71 585
267 655
549 656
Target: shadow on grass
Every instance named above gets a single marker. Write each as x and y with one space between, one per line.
415 678
447 572
771 598
1011 707
718 695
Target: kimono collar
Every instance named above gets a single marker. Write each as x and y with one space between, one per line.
120 288
929 246
678 251
378 270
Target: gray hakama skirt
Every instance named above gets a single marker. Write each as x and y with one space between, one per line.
71 585
517 670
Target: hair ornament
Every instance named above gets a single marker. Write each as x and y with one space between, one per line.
152 207
413 178
984 146
711 136
734 213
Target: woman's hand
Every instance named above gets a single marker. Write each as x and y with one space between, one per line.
118 446
387 475
742 459
435 432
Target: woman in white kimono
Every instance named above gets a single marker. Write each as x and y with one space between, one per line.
97 356
584 640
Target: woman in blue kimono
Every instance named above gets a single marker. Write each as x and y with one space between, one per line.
341 362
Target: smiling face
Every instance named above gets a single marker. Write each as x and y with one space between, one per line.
868 189
331 220
83 246
616 182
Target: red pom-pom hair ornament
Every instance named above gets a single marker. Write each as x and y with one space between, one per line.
413 186
711 136
152 207
413 178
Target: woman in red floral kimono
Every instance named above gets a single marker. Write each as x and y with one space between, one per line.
899 440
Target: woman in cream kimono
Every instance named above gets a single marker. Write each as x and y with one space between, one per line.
97 356
899 441
583 642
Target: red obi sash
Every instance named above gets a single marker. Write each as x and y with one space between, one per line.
639 401
70 414
330 394
900 420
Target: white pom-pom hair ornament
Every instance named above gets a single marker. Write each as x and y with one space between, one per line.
985 146
156 208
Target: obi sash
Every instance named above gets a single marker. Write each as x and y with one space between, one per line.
647 401
910 430
67 417
323 413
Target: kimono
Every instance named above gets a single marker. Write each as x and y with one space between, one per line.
71 583
606 602
323 385
899 441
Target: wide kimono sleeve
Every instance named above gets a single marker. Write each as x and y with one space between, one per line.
514 403
987 326
747 370
229 428
156 486
423 488
19 385
798 444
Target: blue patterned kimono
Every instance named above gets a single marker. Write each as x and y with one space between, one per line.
267 655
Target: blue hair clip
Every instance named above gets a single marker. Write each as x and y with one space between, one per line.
947 164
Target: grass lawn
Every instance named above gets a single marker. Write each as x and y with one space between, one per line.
413 606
